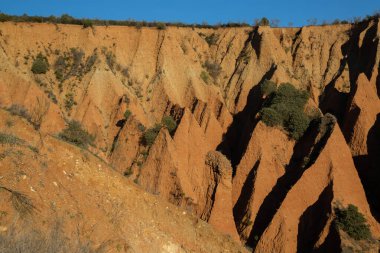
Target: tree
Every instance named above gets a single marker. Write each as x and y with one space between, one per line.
285 108
264 22
87 23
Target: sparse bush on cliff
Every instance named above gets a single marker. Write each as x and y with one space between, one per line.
161 26
150 135
204 76
212 39
262 22
87 23
352 222
69 101
9 139
19 110
127 114
40 65
285 108
75 134
169 123
213 68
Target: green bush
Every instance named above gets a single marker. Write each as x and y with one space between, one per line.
204 77
161 26
40 65
150 135
69 101
169 123
212 39
262 22
127 114
271 117
75 134
285 108
352 222
213 69
141 127
8 139
87 23
296 124
268 87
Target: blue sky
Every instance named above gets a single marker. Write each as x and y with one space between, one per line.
197 11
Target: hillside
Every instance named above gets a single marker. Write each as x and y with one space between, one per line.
213 159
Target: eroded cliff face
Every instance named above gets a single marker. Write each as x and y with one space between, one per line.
269 191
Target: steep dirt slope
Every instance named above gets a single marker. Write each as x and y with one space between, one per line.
273 191
66 184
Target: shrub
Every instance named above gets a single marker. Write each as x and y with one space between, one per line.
19 110
91 60
59 68
128 172
268 87
125 72
75 134
262 22
169 123
285 107
204 77
110 60
69 101
151 134
87 23
213 69
8 139
352 222
212 39
127 114
141 127
77 56
40 64
161 26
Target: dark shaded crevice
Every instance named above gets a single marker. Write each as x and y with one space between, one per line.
368 167
306 152
120 124
368 50
350 121
236 139
241 208
313 220
378 81
332 242
256 43
358 60
333 101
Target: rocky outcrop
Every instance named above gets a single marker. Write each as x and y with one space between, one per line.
275 194
221 216
329 179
